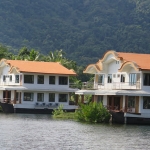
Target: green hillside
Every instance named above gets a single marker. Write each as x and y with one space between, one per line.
84 29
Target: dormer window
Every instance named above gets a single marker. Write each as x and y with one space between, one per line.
10 78
109 79
122 78
101 79
132 79
16 78
117 62
4 78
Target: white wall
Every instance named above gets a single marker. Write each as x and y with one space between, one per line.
46 98
141 110
46 82
145 88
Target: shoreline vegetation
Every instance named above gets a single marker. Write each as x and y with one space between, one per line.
92 112
1 109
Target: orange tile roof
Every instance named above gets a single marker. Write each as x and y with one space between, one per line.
142 60
39 67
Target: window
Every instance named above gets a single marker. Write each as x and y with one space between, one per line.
63 80
122 78
16 78
109 80
100 99
117 62
51 97
114 75
28 78
28 96
132 78
4 78
40 97
146 102
40 79
101 79
10 78
118 75
63 97
146 79
51 79
17 96
131 101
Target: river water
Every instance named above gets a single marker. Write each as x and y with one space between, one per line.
41 132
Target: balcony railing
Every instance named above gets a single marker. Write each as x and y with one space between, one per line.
114 85
13 82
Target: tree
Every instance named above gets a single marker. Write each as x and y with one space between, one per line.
3 51
33 55
23 53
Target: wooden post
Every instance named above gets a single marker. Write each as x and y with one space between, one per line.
6 96
19 97
112 104
126 103
76 99
93 98
82 99
137 104
121 103
14 96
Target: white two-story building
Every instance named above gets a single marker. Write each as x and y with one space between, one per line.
34 87
122 83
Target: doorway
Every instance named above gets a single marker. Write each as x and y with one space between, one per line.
7 96
114 102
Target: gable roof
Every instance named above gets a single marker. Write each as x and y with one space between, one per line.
141 60
138 61
38 67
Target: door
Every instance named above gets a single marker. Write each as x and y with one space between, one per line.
115 102
7 96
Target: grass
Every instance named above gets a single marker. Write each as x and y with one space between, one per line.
65 115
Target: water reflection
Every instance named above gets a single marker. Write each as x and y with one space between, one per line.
36 132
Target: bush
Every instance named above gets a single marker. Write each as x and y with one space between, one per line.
1 109
58 111
93 112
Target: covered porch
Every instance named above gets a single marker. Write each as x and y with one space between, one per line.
127 101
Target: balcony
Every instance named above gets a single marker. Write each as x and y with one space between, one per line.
13 82
113 86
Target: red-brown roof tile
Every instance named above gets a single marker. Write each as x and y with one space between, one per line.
40 67
142 60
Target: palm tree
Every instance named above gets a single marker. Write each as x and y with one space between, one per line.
33 55
56 56
23 53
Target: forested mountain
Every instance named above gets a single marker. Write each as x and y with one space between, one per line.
84 29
